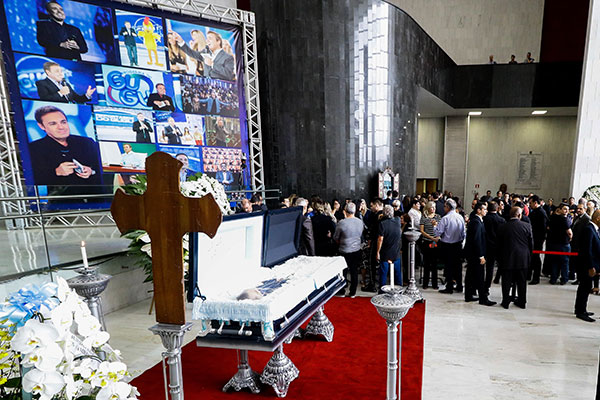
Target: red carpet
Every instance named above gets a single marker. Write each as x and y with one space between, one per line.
353 366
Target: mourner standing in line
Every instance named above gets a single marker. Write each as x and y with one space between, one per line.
451 231
588 265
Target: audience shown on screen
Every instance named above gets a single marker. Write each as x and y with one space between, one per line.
58 38
60 158
160 101
56 88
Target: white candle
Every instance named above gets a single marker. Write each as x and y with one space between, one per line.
391 273
84 255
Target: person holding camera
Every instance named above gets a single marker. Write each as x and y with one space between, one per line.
429 244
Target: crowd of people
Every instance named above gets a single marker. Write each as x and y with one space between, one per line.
528 59
204 96
505 234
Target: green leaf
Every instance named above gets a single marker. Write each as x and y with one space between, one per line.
13 382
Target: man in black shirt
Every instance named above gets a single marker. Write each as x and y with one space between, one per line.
373 234
539 223
558 239
475 251
388 247
60 158
159 101
58 38
492 221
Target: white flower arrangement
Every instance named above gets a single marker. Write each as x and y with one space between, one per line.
63 353
200 185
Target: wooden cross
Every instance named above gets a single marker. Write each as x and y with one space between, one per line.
166 215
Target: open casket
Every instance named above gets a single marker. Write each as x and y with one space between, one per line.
256 255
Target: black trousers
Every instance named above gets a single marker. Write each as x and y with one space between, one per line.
353 261
535 267
372 273
452 266
518 277
430 257
474 280
490 261
584 287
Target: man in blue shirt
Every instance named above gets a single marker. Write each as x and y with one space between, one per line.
451 231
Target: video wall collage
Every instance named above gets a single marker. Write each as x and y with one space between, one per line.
102 88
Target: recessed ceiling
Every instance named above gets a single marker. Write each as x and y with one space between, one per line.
430 106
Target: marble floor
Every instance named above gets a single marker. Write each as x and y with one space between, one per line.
471 351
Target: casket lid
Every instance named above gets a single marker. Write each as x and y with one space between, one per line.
281 235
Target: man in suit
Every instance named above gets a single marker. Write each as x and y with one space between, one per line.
56 88
159 101
307 239
58 38
515 244
142 129
539 224
129 36
475 251
224 176
491 222
588 265
221 133
60 158
579 222
218 63
172 132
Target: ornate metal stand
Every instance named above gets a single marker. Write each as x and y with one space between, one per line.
393 306
319 324
172 339
412 290
279 372
297 334
89 284
245 376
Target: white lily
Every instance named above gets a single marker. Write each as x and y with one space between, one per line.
114 391
86 368
46 384
144 238
45 358
32 335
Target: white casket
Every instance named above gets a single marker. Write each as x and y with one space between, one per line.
250 251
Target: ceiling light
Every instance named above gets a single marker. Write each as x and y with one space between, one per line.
539 112
472 113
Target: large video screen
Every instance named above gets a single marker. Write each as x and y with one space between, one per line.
96 87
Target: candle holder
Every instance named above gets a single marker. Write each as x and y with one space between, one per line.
90 284
392 305
412 290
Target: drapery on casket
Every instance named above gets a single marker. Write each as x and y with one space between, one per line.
256 255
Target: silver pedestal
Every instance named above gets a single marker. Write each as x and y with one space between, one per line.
245 376
319 324
412 290
297 334
172 339
393 306
89 284
279 372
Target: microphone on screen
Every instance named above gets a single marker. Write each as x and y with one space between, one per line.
63 82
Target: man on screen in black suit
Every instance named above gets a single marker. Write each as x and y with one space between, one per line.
159 101
172 132
56 88
129 36
142 129
218 63
60 158
58 38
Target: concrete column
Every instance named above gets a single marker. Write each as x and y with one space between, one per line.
586 162
456 142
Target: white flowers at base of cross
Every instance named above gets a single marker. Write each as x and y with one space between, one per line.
205 185
61 351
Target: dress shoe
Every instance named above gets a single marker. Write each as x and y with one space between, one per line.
563 283
470 299
488 303
368 288
445 291
496 281
458 289
425 286
576 282
585 313
505 305
436 287
585 318
520 305
534 282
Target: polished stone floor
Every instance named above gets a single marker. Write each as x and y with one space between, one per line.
471 351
